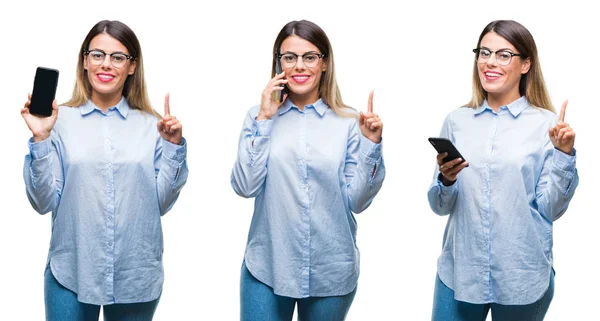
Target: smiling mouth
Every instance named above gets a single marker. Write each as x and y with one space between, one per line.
492 74
300 79
105 78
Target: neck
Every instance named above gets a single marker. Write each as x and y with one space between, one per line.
105 101
302 100
498 100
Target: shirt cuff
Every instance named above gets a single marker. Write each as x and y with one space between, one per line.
262 127
174 151
564 161
445 190
40 149
370 150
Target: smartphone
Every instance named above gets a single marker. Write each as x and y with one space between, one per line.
279 70
44 90
443 145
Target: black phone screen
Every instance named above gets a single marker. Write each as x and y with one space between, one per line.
44 90
443 145
278 70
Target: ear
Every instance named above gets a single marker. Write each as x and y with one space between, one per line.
85 62
324 67
131 70
525 65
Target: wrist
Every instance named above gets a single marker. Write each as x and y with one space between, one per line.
445 181
40 137
568 151
178 142
262 116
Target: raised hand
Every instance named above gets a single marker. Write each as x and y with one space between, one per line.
40 127
562 135
268 104
169 127
370 125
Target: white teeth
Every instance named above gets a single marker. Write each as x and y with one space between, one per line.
105 77
492 74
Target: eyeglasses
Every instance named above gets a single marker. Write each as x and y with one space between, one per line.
309 59
117 59
503 57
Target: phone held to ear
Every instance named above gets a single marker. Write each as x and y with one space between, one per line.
443 145
279 70
44 91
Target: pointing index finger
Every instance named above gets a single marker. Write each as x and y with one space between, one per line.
167 107
563 110
370 104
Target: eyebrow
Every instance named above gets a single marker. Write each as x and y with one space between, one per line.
503 49
291 52
116 52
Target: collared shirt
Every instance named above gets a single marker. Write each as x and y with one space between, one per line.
309 171
498 240
107 178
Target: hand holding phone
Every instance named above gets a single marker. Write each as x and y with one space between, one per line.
41 111
443 145
284 91
270 102
44 90
449 159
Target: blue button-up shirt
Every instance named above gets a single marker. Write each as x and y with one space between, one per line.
309 171
107 178
498 240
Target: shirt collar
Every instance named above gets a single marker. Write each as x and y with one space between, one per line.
515 108
122 107
320 107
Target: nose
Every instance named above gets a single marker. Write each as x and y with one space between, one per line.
300 63
106 62
495 62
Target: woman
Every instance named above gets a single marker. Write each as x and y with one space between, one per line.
107 166
521 176
310 164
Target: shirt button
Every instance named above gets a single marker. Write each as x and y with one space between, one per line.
109 243
306 238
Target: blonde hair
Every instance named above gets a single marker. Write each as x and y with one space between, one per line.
329 91
532 84
135 85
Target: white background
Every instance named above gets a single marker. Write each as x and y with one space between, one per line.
215 60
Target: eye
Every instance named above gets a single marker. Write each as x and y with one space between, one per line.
310 57
119 58
503 55
484 53
97 55
288 58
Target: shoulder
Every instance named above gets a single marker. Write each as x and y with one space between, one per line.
68 114
141 114
68 110
253 111
459 114
542 114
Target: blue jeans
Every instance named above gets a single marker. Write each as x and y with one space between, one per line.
446 308
259 303
62 305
